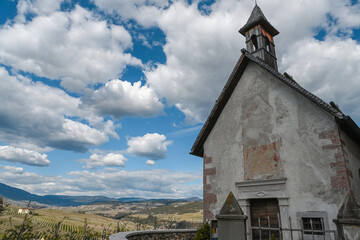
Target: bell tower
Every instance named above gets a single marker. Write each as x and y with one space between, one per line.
259 36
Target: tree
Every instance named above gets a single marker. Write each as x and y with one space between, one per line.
2 207
23 231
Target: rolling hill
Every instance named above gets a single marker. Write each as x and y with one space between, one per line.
17 194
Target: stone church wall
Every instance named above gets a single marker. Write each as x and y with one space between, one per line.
351 157
269 131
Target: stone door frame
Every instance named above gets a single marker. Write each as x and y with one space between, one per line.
260 189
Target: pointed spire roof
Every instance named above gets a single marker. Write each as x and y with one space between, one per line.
258 17
255 14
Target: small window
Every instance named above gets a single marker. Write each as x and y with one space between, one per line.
254 42
267 42
313 226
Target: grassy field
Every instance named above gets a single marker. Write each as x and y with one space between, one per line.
130 216
176 215
45 220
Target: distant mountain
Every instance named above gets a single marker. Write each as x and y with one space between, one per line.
171 201
192 199
54 200
130 200
165 200
17 194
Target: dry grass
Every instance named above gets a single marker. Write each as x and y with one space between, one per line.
52 216
45 219
189 217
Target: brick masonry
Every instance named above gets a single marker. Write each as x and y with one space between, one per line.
209 197
341 180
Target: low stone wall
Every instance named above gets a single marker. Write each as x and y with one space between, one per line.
178 234
119 236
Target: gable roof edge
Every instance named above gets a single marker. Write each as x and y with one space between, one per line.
344 121
197 149
288 80
350 128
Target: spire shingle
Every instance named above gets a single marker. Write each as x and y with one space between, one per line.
258 17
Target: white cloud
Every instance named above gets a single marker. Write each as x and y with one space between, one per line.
200 56
11 169
17 177
201 50
144 11
120 98
151 145
24 156
75 134
346 15
75 47
38 7
330 69
33 114
108 160
158 182
150 162
109 182
191 131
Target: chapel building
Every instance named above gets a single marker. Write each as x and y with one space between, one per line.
285 154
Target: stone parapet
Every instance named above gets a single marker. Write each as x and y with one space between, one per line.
119 236
176 234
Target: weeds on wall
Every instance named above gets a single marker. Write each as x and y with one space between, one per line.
203 232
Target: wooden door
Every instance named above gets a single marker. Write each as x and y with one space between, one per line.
264 213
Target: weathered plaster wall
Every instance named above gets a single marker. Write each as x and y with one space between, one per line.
352 160
268 123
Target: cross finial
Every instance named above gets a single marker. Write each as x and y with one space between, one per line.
255 2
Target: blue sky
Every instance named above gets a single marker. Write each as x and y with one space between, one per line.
106 97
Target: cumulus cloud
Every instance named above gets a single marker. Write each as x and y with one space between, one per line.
199 58
75 47
120 98
11 169
37 7
110 182
150 162
144 11
151 145
24 156
329 69
17 177
74 135
201 49
33 113
108 160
